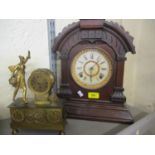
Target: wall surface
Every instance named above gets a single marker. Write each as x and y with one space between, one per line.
139 71
144 74
16 38
19 36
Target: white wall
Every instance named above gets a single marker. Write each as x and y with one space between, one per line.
139 70
144 85
61 23
16 38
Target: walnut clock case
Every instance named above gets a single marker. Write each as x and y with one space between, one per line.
92 54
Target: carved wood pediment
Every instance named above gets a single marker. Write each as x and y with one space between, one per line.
106 32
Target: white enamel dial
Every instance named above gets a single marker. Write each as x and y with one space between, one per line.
91 68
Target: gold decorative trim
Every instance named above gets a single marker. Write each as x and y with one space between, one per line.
95 86
17 115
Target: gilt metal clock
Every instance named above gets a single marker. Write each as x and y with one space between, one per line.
92 57
40 83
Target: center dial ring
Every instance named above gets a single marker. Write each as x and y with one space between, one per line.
91 68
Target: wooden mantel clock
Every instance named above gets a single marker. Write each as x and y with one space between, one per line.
92 54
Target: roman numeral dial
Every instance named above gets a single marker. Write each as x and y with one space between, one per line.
91 68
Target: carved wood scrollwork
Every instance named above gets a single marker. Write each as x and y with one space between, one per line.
110 33
118 95
64 89
93 37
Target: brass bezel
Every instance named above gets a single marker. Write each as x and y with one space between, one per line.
87 86
47 75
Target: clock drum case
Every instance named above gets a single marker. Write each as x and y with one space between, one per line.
92 56
40 83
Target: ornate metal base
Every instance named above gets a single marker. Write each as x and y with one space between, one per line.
32 116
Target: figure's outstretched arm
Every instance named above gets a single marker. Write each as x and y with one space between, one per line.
28 57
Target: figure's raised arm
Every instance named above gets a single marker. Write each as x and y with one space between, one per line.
28 57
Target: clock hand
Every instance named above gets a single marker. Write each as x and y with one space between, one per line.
90 69
93 66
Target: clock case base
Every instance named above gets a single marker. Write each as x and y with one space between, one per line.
98 112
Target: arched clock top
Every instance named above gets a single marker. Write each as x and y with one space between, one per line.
94 32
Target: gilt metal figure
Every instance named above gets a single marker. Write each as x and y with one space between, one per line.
17 78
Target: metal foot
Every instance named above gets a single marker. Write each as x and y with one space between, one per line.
14 131
61 133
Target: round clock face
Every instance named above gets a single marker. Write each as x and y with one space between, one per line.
91 68
40 81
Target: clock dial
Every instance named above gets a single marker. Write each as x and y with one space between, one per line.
41 81
91 68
